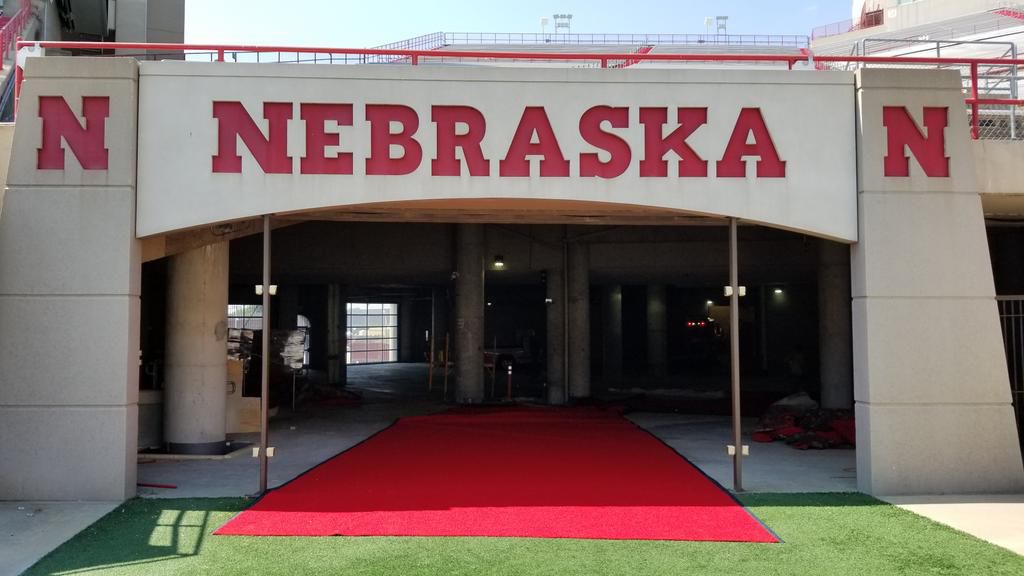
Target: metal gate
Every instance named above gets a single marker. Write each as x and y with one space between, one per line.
1011 316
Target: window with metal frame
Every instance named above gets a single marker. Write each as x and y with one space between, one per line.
372 332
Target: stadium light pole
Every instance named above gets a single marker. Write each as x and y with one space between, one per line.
265 358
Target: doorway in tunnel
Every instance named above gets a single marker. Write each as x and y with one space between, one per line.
674 345
660 338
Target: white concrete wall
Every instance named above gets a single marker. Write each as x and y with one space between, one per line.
900 16
788 102
6 142
69 300
930 379
897 17
150 21
998 167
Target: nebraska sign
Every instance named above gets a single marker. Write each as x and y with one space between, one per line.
226 142
462 128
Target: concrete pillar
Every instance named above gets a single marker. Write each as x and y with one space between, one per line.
578 277
69 298
934 412
469 313
285 307
612 329
657 331
555 350
337 343
835 347
195 371
406 342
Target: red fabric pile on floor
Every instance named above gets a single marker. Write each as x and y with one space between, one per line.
799 422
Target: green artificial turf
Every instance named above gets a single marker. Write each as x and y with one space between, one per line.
824 534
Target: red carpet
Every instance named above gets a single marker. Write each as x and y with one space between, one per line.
529 472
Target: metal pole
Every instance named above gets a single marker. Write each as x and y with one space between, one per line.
565 316
446 352
974 101
1013 94
19 76
734 355
430 374
265 358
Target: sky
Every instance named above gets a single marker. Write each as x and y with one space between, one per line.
362 24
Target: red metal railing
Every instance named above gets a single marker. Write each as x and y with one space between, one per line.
868 20
534 38
12 28
632 61
413 57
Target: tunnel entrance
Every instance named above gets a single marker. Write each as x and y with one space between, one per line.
367 315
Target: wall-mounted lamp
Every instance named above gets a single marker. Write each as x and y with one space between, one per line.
499 262
489 303
549 300
777 291
273 289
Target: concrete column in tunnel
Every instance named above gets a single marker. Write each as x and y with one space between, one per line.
657 331
578 277
612 330
834 325
337 336
285 307
196 350
555 346
406 337
469 313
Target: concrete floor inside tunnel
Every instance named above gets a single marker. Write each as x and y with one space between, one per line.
314 433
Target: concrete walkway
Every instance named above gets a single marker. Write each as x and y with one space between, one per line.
995 518
301 441
30 530
771 467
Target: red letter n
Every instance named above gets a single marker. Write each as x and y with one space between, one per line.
87 143
233 122
902 133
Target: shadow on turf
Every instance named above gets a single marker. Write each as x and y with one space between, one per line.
809 500
139 532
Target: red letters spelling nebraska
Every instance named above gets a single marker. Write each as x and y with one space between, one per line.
464 127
